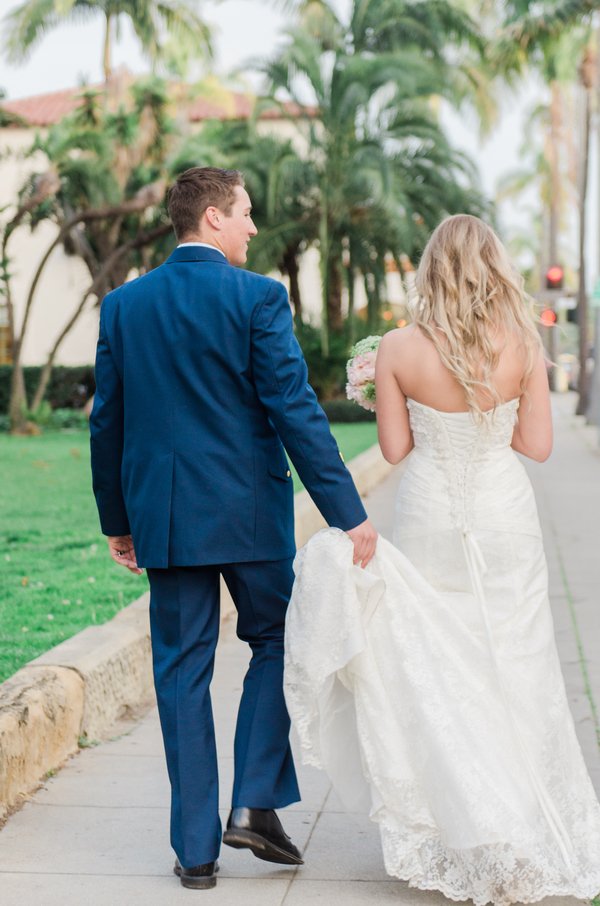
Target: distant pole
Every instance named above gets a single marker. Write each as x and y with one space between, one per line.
594 407
593 413
587 73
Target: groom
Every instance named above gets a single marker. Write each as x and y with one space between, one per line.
200 386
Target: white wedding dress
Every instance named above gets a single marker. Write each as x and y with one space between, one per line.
429 686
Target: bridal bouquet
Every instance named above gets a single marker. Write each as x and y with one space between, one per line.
360 370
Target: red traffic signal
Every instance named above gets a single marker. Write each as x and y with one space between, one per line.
554 277
548 317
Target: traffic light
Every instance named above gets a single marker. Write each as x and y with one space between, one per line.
548 317
554 277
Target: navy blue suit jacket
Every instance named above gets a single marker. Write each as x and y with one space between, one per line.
200 383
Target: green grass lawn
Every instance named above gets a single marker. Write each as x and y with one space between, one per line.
55 573
352 439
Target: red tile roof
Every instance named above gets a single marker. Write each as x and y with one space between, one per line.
44 109
47 109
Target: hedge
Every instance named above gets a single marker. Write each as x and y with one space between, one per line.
69 387
346 411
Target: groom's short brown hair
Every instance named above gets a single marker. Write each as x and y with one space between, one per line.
197 189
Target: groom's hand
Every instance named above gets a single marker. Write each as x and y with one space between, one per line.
122 552
364 538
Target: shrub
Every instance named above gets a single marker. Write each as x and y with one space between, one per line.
346 411
69 388
326 376
52 419
61 419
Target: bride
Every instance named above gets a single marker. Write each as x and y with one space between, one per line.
428 684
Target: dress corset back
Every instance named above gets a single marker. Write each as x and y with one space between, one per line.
464 470
458 434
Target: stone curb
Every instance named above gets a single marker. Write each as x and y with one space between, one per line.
83 686
40 717
115 666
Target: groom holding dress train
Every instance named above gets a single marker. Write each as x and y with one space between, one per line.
200 386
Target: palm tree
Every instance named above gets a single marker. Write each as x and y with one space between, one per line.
534 32
545 155
375 125
283 187
28 23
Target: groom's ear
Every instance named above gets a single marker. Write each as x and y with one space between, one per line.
214 217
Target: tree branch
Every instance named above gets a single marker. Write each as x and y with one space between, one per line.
140 202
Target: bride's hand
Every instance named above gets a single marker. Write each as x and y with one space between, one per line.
364 538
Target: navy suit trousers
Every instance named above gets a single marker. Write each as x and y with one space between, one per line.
184 616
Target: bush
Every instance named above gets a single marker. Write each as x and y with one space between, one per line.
69 387
61 419
346 411
52 419
326 376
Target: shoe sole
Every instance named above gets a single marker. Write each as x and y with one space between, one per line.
196 883
262 848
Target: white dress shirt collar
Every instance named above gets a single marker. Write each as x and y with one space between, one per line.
204 245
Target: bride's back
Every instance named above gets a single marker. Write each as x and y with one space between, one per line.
473 346
424 377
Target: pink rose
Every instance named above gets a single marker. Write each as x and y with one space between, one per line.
354 393
357 395
363 368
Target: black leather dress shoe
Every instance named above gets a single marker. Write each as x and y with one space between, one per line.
260 830
200 877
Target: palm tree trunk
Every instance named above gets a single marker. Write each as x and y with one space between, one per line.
106 61
9 304
373 301
552 153
334 301
17 406
588 79
351 294
324 262
555 180
291 268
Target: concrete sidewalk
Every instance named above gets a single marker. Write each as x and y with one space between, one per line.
97 834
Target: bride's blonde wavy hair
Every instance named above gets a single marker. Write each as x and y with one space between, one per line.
468 294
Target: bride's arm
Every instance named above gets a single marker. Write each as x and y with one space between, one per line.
393 427
533 432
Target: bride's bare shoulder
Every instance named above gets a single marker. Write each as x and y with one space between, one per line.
410 340
401 336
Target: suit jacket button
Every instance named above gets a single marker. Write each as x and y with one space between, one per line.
341 456
288 473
